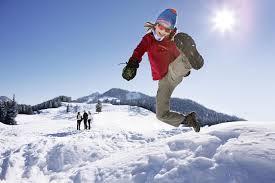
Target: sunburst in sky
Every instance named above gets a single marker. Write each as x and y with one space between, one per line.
224 20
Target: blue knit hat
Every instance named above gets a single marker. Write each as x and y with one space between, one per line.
168 17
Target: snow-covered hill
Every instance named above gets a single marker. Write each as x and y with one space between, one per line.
125 97
127 144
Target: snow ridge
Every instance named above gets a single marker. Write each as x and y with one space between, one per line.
127 144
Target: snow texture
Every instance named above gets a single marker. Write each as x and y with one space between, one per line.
128 144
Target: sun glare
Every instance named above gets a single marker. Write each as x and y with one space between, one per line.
224 20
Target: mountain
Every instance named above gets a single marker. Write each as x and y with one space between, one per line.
123 94
4 99
87 99
118 96
113 94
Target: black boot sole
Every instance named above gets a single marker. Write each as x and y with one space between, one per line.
187 46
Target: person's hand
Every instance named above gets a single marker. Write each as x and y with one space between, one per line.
130 70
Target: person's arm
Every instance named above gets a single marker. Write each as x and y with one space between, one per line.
130 70
141 48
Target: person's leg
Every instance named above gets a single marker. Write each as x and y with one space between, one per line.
177 70
78 125
85 124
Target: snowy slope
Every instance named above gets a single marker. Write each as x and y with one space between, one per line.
127 144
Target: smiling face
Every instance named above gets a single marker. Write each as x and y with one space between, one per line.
162 30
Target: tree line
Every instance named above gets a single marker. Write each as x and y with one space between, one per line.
54 103
185 106
9 108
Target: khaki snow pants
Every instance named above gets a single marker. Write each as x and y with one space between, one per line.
176 72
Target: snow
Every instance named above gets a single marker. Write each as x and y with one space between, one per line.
128 144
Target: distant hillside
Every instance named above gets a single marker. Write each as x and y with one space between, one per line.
118 96
53 103
88 98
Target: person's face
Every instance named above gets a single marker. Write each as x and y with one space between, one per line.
162 30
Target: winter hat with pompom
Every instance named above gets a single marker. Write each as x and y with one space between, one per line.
168 17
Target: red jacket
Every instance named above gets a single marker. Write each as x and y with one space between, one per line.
160 54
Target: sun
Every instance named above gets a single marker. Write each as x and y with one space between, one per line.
224 20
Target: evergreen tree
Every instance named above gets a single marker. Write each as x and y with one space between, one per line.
68 108
50 105
3 111
24 109
29 110
55 104
11 112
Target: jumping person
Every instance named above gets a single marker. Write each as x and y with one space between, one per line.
170 62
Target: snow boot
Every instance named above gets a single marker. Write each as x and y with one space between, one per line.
187 46
191 121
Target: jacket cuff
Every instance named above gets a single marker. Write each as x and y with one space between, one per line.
133 62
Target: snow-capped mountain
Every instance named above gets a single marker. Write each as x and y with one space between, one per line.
89 98
205 115
114 93
128 144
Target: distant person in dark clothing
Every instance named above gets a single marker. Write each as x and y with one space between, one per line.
79 119
90 119
85 118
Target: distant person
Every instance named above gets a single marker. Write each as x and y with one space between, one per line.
79 119
85 118
90 119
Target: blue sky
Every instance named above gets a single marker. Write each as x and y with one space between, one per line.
68 47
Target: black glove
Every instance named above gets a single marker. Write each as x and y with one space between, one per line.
130 70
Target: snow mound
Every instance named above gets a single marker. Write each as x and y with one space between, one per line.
127 144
